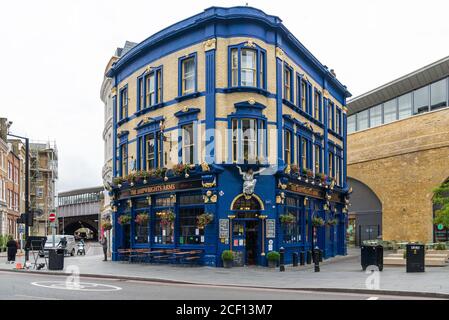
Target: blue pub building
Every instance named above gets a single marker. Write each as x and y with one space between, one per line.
228 134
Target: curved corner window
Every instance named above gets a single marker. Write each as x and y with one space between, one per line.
248 140
247 67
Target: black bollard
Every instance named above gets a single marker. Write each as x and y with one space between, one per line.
281 260
316 259
321 255
309 257
302 257
295 259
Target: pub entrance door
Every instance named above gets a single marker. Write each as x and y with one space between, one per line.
246 230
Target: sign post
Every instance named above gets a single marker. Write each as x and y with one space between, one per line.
52 219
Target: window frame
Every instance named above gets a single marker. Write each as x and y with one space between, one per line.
181 78
288 85
191 146
123 107
261 66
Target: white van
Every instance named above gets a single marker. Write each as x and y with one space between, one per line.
70 247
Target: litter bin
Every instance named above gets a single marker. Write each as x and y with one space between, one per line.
56 259
415 257
372 256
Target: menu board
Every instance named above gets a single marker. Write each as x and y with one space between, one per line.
239 258
224 229
271 228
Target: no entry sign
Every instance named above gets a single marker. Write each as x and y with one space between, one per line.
52 217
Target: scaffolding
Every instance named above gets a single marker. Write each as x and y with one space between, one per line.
43 176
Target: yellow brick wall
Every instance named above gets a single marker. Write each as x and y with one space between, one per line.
224 102
402 163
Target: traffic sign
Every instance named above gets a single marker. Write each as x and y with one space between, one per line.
52 217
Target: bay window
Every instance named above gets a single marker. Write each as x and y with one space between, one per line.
247 66
247 140
188 143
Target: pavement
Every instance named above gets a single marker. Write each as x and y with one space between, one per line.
341 274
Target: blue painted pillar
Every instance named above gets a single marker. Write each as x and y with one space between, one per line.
114 136
279 111
326 137
210 105
345 151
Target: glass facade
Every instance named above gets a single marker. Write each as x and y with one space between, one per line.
431 97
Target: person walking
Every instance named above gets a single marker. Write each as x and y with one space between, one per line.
12 249
104 243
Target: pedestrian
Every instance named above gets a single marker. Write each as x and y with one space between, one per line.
12 249
104 243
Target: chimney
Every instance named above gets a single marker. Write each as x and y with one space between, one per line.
3 128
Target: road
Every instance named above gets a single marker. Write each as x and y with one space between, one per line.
15 286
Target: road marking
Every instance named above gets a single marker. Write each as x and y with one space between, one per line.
82 286
373 298
33 297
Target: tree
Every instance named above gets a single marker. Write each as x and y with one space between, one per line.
441 199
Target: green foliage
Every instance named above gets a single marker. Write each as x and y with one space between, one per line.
204 219
227 255
287 218
317 222
441 198
440 246
124 219
273 256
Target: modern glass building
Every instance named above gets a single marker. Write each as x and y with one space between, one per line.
228 134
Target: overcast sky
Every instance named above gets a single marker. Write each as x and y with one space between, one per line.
53 55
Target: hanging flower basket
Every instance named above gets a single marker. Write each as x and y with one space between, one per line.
166 217
332 222
204 219
317 222
106 225
117 181
124 219
287 219
142 219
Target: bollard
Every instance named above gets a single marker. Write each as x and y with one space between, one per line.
302 260
295 259
281 260
309 257
316 259
321 255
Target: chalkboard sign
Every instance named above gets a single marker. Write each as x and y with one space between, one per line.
224 229
239 259
271 228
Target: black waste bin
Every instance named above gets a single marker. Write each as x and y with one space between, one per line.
56 259
416 254
372 256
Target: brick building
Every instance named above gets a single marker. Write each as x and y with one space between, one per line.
398 153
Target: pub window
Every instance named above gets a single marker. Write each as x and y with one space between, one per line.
338 121
153 154
292 231
317 106
318 161
304 152
150 147
124 160
142 230
330 115
249 145
303 95
188 143
163 227
123 103
150 87
287 147
248 140
247 67
188 75
189 232
331 165
288 83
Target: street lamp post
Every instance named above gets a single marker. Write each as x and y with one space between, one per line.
27 190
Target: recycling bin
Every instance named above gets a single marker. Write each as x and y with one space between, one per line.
56 259
415 257
372 256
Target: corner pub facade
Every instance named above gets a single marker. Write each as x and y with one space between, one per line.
228 134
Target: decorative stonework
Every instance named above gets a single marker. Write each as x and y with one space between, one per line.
205 167
114 91
326 94
279 53
250 44
210 44
252 101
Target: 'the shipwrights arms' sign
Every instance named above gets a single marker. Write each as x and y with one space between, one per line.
159 188
313 192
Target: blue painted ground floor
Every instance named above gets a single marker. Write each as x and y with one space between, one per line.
210 210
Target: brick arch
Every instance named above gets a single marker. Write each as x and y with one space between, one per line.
402 162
